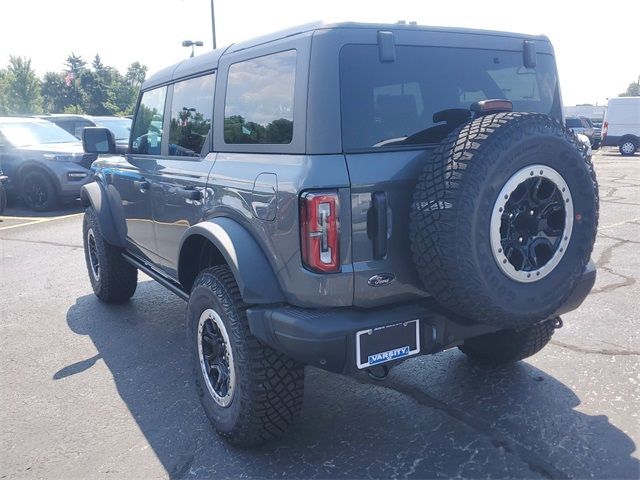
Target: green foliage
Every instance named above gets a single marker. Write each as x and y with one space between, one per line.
97 89
21 88
238 130
633 90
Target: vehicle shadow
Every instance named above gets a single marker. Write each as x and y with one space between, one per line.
15 208
437 416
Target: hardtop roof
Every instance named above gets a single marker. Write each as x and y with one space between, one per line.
209 61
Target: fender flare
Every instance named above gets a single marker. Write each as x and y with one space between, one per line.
95 194
248 263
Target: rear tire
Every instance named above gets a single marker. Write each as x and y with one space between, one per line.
628 148
508 346
113 279
250 392
38 192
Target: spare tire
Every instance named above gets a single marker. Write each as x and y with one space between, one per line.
504 219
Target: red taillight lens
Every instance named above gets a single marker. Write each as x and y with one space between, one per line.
320 231
605 129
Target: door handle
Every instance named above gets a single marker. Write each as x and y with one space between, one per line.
142 185
190 193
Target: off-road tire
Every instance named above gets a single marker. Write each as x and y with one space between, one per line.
269 386
117 279
47 197
508 346
452 207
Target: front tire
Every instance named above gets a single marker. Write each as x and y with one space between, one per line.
250 392
508 346
113 279
38 192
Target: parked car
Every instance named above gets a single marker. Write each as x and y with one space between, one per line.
45 164
346 196
621 126
583 126
74 124
3 192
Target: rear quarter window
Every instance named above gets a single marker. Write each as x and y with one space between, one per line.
259 100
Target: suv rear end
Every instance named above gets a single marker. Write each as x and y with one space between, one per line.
375 93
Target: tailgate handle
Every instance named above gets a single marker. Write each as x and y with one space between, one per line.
377 223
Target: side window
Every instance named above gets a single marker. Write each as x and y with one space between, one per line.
147 129
259 103
191 113
79 127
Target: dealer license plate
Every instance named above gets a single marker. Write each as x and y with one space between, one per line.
385 344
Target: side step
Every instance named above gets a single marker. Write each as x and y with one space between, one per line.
159 277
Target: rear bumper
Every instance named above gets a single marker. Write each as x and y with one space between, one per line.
327 338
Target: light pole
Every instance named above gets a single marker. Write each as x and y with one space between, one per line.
213 25
192 44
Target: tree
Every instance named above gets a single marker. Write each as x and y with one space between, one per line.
4 106
22 88
136 74
56 96
75 63
633 90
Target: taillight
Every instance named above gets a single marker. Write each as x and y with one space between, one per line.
605 129
320 231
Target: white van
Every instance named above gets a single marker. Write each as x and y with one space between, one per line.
621 126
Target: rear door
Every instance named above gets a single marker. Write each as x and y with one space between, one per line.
180 180
389 132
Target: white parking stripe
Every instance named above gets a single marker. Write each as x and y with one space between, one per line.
35 220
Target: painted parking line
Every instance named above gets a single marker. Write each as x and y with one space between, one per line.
34 220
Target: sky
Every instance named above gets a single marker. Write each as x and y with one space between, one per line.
597 46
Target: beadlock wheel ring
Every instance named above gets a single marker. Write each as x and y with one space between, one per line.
531 223
216 357
94 261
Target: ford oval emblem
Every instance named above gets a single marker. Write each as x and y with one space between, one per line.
381 280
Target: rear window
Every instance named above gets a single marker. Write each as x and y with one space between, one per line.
574 123
393 103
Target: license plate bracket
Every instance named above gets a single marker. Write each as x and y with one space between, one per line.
380 345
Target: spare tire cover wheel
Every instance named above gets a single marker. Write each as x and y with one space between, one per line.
504 219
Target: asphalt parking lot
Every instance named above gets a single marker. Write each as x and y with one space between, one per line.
95 391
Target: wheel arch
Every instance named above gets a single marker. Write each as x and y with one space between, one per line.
94 195
634 138
224 241
33 166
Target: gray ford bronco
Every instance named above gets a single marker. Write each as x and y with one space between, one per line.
346 196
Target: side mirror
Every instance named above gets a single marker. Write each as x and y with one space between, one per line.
98 140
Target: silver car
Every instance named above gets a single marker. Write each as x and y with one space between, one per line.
44 163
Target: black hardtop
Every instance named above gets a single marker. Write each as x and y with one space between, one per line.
209 61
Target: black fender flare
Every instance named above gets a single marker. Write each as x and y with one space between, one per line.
95 194
248 263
